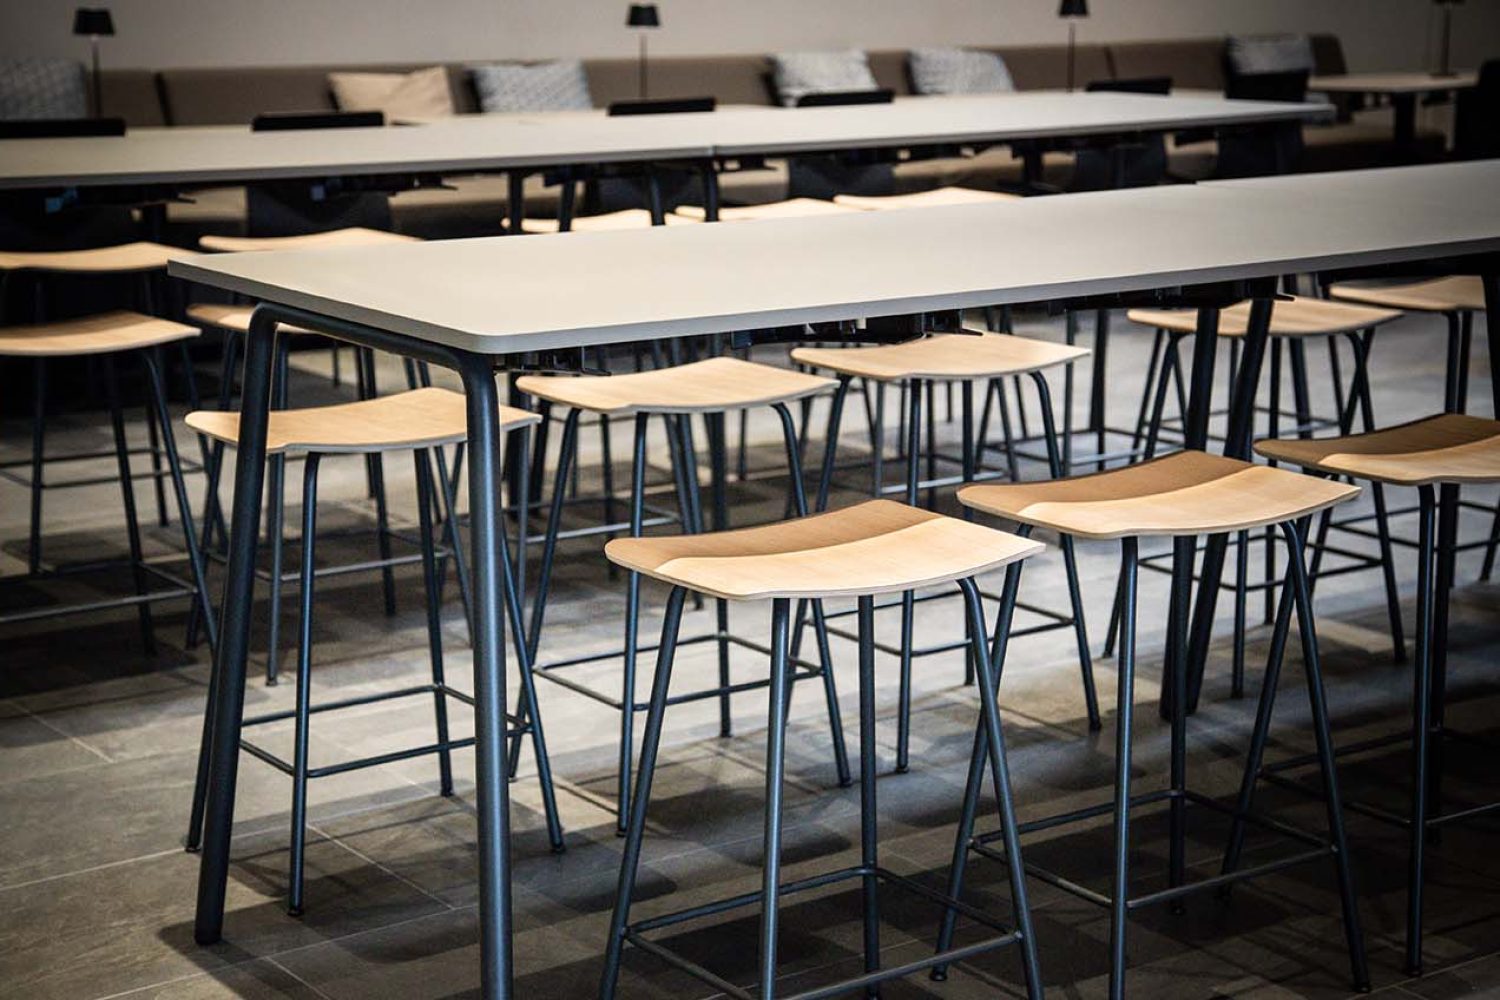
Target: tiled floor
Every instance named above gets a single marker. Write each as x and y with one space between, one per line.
97 746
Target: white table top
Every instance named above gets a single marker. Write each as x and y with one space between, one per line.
480 142
510 294
1391 83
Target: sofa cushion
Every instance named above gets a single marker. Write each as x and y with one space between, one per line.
958 71
732 79
1251 55
132 94
1045 67
42 88
798 74
1196 63
422 93
548 86
890 70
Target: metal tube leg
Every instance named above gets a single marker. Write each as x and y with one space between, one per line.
127 495
908 598
1421 723
1297 577
650 742
775 772
1124 723
275 521
868 814
995 739
1447 540
565 460
227 707
492 796
153 447
1241 585
304 685
38 463
423 466
1361 393
718 473
632 629
1177 619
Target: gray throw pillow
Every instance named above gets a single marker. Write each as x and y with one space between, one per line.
958 71
42 88
801 73
548 86
1270 54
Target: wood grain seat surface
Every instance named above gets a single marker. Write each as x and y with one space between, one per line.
1188 493
103 333
234 318
875 547
123 257
353 236
419 418
947 356
1297 317
1453 293
934 198
608 222
1449 448
791 208
708 386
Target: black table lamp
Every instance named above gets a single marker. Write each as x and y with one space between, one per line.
643 17
1445 59
96 23
1072 10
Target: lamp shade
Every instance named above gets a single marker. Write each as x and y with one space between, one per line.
93 21
643 15
1073 8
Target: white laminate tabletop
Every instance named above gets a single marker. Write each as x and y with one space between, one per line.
1391 83
509 294
474 143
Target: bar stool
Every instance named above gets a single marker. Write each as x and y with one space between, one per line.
418 421
919 364
140 264
1294 320
873 548
711 388
1181 496
104 336
1436 455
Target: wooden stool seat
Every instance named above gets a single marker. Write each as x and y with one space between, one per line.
626 218
420 418
1455 293
354 236
1187 493
935 198
710 386
140 256
1295 317
876 547
230 317
1450 448
792 208
104 333
949 357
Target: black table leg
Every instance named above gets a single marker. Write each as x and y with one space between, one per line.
1405 107
227 709
1491 304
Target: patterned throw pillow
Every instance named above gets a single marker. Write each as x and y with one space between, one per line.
801 73
958 71
422 93
1270 54
42 88
548 86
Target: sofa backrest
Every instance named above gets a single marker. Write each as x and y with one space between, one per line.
733 79
1045 67
1190 62
131 94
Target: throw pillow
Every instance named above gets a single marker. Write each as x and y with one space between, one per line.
548 86
422 93
799 73
1270 54
958 71
42 88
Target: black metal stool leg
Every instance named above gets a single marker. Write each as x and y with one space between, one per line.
304 685
127 495
632 629
38 463
1241 594
1180 607
775 773
423 465
650 742
908 598
1421 723
1124 724
869 856
718 472
565 459
276 521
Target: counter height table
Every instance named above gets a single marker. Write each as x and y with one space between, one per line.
469 305
1401 89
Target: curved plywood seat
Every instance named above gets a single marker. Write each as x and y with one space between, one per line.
421 418
354 236
709 386
947 356
226 317
1451 448
936 198
1295 317
1189 493
876 547
140 256
105 333
627 218
792 208
1456 293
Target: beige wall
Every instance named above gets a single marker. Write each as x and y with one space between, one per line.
1377 34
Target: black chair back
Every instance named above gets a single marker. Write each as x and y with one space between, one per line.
663 106
1139 163
841 97
1135 85
294 208
282 121
60 128
1257 152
